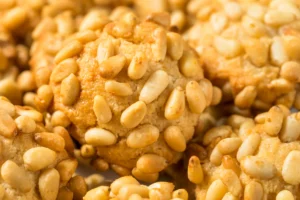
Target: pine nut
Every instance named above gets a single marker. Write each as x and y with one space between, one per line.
138 66
290 130
42 76
135 197
94 180
258 168
134 114
216 156
100 137
249 146
50 140
100 165
181 194
151 163
278 53
273 121
70 90
253 27
161 18
148 178
246 97
195 97
121 171
64 69
207 88
30 112
281 85
14 18
16 176
233 10
102 110
175 104
112 66
87 151
59 118
26 81
125 180
290 169
246 128
216 132
154 86
175 45
49 184
216 190
218 22
235 121
229 145
231 163
69 145
217 96
44 97
254 191
101 192
127 190
105 50
189 65
86 36
159 48
38 158
227 47
229 196
290 70
143 136
175 139
285 195
8 107
232 181
256 11
64 194
78 186
195 172
277 18
117 88
8 127
72 49
161 190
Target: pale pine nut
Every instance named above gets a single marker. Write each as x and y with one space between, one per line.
175 139
148 178
142 136
235 121
216 156
229 196
181 194
254 191
127 190
8 127
38 158
253 27
216 132
277 18
159 47
100 137
102 110
125 180
233 10
232 181
281 85
231 163
195 97
175 45
178 19
30 112
101 192
290 168
218 21
49 184
86 36
285 195
64 69
8 107
112 66
273 121
189 65
175 104
138 66
290 130
229 145
105 50
207 88
195 172
258 167
278 53
135 197
134 114
72 49
70 90
94 180
151 163
87 151
154 86
50 140
217 96
161 190
246 128
117 88
14 18
246 97
249 146
290 70
59 118
216 190
256 11
227 47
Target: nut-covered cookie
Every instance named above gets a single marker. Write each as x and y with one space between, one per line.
253 45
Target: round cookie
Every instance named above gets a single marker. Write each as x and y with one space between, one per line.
251 46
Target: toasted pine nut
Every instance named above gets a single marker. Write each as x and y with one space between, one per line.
127 190
195 97
175 45
273 121
78 186
86 36
49 184
232 181
189 65
175 104
285 195
38 158
105 50
134 114
87 151
154 86
216 132
161 190
8 107
229 145
42 76
181 194
258 167
64 194
72 49
227 47
217 96
15 17
178 19
121 171
290 71
161 18
7 125
249 146
69 145
135 197
246 128
207 88
290 168
290 128
16 176
112 66
44 97
148 178
138 66
216 156
101 192
102 110
50 140
70 90
159 48
142 136
175 139
2 192
151 163
231 163
254 191
100 164
117 88
235 121
195 172
59 118
216 190
246 97
64 69
125 180
94 180
100 137
25 124
29 112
